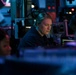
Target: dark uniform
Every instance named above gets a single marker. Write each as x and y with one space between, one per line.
33 39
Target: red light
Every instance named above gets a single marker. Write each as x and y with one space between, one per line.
72 9
49 7
53 7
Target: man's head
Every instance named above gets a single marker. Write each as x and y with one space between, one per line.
5 48
44 23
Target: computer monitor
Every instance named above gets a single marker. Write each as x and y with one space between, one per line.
42 3
70 3
65 41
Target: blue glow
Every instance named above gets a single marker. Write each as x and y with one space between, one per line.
71 4
42 3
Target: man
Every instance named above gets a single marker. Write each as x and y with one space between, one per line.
5 48
36 36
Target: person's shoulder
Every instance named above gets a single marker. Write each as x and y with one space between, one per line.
31 32
29 36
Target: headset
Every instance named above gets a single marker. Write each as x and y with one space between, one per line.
41 17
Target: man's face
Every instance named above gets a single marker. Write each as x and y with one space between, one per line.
5 48
45 26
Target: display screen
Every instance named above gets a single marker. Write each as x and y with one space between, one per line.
42 3
66 42
70 3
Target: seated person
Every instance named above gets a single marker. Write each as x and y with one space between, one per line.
36 36
5 48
